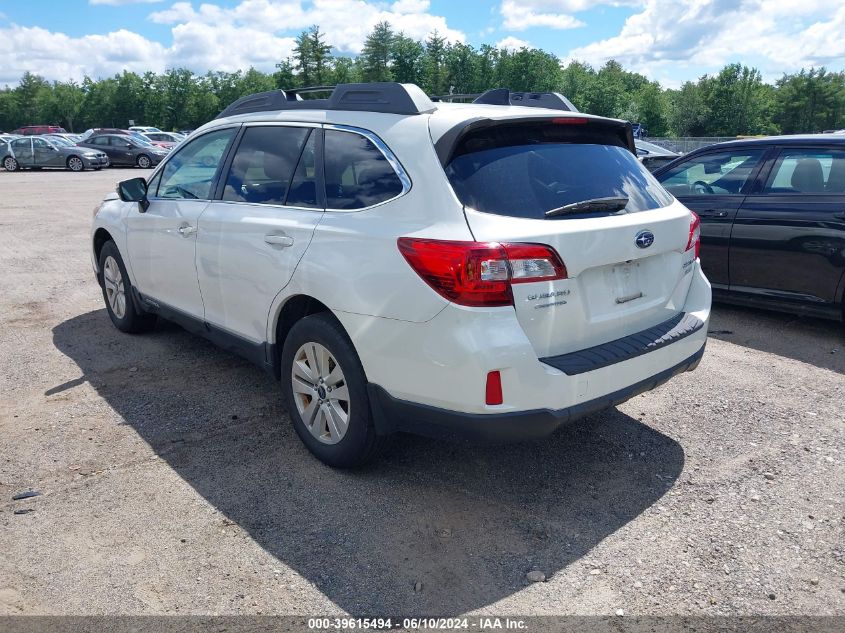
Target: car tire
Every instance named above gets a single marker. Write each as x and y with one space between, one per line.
74 163
11 164
144 161
340 385
117 293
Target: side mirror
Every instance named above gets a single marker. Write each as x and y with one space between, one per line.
129 146
134 190
712 168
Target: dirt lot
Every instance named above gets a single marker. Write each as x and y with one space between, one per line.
173 482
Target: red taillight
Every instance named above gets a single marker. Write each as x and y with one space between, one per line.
493 392
694 240
480 273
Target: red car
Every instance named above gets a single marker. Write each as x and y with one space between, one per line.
29 130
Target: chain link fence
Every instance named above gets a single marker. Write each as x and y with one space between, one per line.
684 144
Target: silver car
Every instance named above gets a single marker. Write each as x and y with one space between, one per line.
35 152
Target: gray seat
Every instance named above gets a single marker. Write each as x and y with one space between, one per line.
808 176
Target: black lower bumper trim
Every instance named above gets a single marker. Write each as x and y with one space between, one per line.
627 347
392 414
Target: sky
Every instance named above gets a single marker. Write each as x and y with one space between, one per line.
670 41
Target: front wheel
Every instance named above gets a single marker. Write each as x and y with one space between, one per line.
117 293
144 161
325 391
11 164
74 163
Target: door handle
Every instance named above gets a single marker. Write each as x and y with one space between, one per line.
186 230
712 213
279 239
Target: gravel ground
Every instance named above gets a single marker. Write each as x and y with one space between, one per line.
172 481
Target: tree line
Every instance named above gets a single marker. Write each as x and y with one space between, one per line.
735 101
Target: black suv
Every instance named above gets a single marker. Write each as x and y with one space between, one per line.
772 219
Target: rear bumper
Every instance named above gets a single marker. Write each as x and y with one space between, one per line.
392 414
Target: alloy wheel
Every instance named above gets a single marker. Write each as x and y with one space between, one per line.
320 393
75 164
115 293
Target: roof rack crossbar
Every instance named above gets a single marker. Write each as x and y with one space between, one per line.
503 96
386 97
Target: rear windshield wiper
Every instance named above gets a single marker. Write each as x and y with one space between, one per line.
587 206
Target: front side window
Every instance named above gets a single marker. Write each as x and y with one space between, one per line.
718 173
808 171
99 140
190 171
357 174
264 164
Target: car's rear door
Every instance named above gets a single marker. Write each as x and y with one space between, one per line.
713 183
628 269
253 235
788 240
22 150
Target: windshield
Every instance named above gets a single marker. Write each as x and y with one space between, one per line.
58 140
527 174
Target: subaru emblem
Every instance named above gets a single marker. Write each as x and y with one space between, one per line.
644 239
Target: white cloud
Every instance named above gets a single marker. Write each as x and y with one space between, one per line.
209 36
556 14
117 3
345 23
777 36
58 56
512 43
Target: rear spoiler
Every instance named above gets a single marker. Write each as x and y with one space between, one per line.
448 143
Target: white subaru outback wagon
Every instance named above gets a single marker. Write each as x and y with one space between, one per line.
489 269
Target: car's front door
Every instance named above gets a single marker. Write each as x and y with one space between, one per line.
252 238
713 184
788 239
22 149
45 155
162 240
121 150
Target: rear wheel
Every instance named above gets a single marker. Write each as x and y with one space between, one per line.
325 391
10 164
144 161
74 163
117 293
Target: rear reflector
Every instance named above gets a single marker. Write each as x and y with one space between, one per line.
480 273
494 388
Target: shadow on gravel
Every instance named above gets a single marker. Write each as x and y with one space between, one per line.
466 522
814 341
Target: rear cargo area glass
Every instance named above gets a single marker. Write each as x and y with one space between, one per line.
525 170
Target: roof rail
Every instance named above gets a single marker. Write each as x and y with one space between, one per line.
503 96
455 97
387 97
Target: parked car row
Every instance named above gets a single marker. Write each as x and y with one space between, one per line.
94 149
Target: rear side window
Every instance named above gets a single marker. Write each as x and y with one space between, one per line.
357 174
808 171
526 170
264 164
